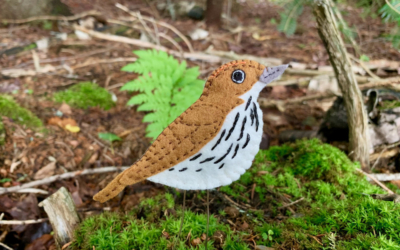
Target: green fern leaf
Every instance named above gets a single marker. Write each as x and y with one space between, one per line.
390 12
289 17
166 88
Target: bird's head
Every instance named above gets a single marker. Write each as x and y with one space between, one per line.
238 77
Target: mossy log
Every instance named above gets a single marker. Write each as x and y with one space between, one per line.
358 123
60 209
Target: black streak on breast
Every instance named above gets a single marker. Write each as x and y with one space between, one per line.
223 157
219 140
233 126
208 159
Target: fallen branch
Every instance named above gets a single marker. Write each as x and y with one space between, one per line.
55 18
5 246
22 222
376 181
60 177
266 103
385 177
143 44
161 23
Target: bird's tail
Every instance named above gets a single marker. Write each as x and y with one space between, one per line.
112 190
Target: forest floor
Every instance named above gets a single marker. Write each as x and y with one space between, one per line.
29 154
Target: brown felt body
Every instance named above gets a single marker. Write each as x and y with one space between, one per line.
193 129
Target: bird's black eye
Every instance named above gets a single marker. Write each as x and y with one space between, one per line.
238 76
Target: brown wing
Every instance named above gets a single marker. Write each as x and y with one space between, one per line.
182 139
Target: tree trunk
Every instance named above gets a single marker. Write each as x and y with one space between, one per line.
214 14
60 209
358 123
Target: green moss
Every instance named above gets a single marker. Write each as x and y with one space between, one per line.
389 105
11 109
333 200
84 95
146 226
334 212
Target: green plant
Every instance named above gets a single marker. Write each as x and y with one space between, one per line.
166 88
149 226
11 109
110 137
84 95
390 12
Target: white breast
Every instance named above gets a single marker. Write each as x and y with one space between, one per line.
227 156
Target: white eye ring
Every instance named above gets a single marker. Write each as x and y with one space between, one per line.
238 76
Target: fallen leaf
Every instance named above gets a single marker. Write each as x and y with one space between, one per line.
196 242
232 212
46 171
65 109
73 129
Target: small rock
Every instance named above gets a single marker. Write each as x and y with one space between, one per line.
196 13
198 34
232 212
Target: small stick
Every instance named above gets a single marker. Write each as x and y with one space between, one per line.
143 44
54 178
161 23
292 203
208 215
376 181
22 222
5 246
55 18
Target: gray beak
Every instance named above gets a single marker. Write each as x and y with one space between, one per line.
271 73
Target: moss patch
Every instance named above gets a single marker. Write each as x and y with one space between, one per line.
84 95
11 109
334 213
389 105
153 225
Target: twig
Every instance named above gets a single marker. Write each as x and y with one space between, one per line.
161 23
22 222
392 7
54 178
377 160
364 67
5 246
112 60
33 191
266 103
376 181
136 42
385 177
292 203
62 18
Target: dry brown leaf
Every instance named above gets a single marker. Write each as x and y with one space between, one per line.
46 171
65 109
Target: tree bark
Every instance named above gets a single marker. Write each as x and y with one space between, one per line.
359 144
214 14
60 209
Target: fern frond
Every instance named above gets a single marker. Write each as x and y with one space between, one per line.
390 11
289 17
167 88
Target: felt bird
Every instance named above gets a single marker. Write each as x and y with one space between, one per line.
214 141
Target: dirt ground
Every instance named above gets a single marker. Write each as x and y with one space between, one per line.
27 151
